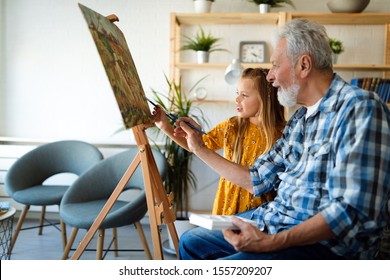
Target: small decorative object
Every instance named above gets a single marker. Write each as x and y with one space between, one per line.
233 72
200 93
337 47
203 44
203 6
347 6
252 52
266 5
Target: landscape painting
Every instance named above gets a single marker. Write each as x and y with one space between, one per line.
120 68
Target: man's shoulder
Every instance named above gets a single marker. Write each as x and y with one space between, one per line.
343 95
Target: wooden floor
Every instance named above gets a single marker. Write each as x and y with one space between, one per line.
48 246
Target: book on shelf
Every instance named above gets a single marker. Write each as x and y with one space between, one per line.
379 85
216 222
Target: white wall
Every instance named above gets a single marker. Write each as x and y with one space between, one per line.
53 84
2 76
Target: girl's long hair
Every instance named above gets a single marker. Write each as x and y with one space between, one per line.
270 115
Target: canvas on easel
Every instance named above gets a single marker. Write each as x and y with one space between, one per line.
131 99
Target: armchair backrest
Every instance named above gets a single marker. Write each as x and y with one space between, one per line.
39 164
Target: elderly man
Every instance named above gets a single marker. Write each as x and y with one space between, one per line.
331 167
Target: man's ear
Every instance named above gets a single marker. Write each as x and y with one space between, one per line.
305 65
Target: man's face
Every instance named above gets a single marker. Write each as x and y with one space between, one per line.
282 76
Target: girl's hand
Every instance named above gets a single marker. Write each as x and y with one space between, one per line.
160 119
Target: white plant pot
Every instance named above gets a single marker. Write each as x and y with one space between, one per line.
335 57
264 8
202 56
202 6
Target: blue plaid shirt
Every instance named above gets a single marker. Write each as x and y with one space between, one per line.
337 163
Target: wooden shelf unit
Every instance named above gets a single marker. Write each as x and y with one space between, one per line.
344 67
277 19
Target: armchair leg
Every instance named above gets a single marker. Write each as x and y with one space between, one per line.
18 227
63 233
69 243
100 244
142 237
115 239
42 220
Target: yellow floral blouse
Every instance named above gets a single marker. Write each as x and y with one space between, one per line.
230 198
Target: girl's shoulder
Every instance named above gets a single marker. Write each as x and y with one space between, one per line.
228 123
232 120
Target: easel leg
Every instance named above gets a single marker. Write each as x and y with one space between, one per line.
154 227
159 206
175 238
142 237
107 207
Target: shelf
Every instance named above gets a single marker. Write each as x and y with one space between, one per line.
275 18
194 66
362 67
347 18
346 67
212 101
229 18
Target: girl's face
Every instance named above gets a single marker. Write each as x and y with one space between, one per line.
247 100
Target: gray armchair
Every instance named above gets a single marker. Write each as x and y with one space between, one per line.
84 200
25 181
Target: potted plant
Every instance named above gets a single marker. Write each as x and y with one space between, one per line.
266 5
203 6
180 178
203 45
337 47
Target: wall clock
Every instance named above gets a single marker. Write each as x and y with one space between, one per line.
252 52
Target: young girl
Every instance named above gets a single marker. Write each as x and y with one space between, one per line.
258 124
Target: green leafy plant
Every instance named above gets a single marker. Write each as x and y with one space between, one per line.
180 177
202 42
336 46
273 3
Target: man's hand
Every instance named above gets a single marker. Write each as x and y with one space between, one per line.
249 238
233 172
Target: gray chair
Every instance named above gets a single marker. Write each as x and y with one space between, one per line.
26 180
84 200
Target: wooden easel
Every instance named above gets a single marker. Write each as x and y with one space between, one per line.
160 206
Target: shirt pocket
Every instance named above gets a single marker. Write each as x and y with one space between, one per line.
319 161
292 154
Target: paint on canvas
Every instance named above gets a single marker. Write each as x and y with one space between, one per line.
120 69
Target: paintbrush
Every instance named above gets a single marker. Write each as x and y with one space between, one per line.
174 118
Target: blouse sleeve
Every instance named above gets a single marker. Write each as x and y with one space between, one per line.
214 139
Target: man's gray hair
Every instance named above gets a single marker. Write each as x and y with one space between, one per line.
306 37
